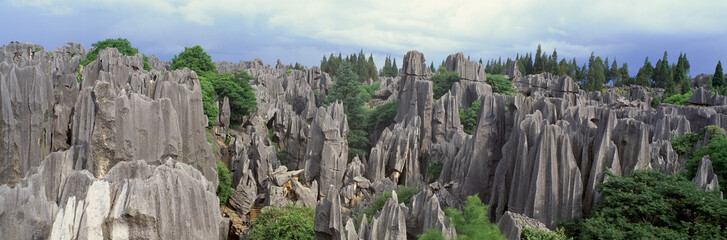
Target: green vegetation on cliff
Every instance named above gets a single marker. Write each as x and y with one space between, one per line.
715 148
235 86
121 44
224 191
472 223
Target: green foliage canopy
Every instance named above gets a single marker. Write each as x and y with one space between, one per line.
290 222
500 84
652 205
194 58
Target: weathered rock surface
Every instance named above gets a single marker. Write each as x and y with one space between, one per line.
328 220
327 148
396 155
512 224
425 213
701 96
468 70
118 147
390 222
705 177
134 200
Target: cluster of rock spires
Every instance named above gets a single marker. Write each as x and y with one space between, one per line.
123 152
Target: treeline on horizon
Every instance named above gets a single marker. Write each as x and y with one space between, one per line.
597 72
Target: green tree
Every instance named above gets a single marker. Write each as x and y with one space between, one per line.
121 44
347 89
539 63
595 77
394 69
290 222
235 86
473 222
718 80
224 191
651 205
443 80
645 74
194 58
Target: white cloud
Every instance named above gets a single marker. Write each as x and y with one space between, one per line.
493 27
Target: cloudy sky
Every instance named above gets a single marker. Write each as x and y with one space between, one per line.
304 31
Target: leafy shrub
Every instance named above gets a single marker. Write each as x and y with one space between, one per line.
194 58
433 170
121 44
537 234
473 223
288 72
469 117
443 80
290 222
404 195
431 234
652 205
500 84
224 191
228 140
678 99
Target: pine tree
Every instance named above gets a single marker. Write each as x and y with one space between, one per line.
395 69
431 67
539 64
680 77
718 77
624 73
662 76
346 88
372 68
613 74
645 74
596 77
563 68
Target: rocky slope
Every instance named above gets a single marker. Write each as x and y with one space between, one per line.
123 153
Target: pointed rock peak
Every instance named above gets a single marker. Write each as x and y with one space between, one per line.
415 64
